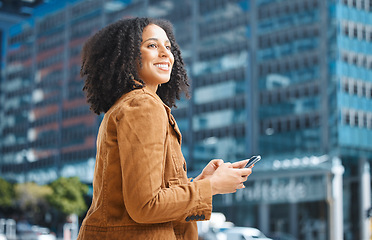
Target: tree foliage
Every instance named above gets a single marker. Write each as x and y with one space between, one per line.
68 195
6 194
31 199
31 194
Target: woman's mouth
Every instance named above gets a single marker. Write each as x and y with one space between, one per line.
162 66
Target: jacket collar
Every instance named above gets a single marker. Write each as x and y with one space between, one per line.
171 119
146 90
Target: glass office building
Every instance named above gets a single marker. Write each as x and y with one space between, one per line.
287 79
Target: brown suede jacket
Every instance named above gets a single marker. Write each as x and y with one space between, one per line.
140 186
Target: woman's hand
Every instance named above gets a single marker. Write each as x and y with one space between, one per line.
209 169
214 164
240 164
227 179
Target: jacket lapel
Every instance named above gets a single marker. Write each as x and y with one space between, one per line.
173 123
171 119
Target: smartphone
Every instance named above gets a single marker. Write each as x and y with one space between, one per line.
253 160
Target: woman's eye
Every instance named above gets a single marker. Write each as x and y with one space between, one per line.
152 45
168 47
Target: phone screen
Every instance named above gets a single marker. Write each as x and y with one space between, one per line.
253 160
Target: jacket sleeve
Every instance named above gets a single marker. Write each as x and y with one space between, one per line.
141 134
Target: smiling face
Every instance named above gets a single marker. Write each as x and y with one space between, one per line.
157 58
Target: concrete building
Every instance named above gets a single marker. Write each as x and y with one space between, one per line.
287 79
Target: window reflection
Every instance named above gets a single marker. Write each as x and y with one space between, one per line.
227 148
225 63
218 119
218 91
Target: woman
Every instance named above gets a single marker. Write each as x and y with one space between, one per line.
134 73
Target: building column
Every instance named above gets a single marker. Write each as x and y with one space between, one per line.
336 229
251 84
293 219
264 220
365 198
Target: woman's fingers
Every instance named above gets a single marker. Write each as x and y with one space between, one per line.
228 179
240 186
245 171
240 164
216 163
244 178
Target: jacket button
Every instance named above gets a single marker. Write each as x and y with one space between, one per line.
187 219
192 217
202 217
197 217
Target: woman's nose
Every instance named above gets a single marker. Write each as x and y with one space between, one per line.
163 51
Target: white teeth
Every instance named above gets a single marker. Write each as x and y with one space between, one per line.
162 66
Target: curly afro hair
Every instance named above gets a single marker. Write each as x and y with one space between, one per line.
109 64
